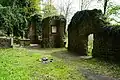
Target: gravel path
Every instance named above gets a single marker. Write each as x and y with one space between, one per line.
92 76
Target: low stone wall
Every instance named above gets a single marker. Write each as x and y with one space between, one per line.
16 41
5 42
25 42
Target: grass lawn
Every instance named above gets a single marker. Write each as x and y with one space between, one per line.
22 64
25 64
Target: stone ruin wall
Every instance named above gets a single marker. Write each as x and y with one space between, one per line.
45 32
79 29
51 40
77 43
106 43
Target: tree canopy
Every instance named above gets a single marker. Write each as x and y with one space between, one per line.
49 10
14 15
112 12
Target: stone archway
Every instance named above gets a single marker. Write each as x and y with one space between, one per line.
82 24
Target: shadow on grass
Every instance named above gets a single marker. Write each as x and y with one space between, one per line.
64 54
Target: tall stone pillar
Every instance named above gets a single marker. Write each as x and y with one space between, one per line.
33 34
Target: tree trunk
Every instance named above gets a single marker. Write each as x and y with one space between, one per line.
105 6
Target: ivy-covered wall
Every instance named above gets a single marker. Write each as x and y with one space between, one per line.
77 43
106 43
82 24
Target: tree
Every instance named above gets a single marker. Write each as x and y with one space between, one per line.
49 9
66 9
15 14
105 5
84 4
113 10
12 20
30 6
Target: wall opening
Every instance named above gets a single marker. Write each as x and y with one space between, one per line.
90 44
54 29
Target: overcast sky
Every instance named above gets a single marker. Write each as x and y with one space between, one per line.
76 7
75 3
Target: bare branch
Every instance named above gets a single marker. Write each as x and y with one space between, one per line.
65 8
85 4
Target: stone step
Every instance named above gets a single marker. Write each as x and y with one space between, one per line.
35 46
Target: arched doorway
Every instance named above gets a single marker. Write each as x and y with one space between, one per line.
90 44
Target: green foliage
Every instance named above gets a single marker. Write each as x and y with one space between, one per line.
29 6
32 7
37 19
14 15
49 10
90 47
112 13
113 10
12 20
7 2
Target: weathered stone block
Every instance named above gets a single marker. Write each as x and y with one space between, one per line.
5 42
